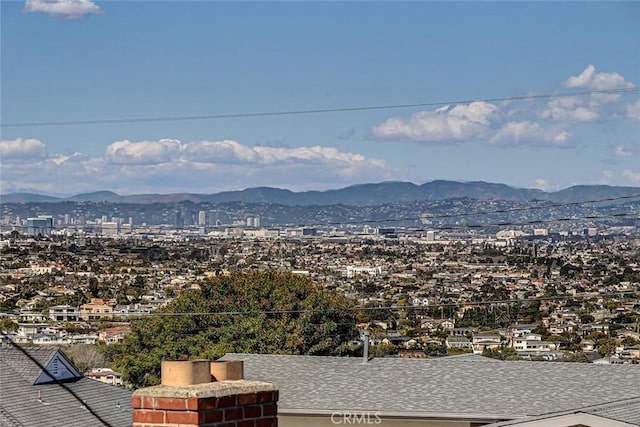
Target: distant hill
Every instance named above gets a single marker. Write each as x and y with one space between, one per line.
27 198
580 193
355 195
98 196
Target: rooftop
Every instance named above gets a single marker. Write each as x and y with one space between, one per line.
29 397
466 386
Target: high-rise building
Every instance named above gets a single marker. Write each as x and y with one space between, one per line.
540 232
309 231
41 225
110 228
253 221
178 219
214 218
190 217
202 218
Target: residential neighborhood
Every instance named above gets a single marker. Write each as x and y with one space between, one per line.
505 295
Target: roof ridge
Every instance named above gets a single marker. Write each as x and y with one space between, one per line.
612 404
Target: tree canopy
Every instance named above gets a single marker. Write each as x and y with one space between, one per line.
260 312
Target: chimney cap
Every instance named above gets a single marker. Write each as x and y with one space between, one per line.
181 373
213 389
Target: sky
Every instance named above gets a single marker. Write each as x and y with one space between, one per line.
84 60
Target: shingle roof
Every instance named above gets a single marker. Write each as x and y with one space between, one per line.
20 404
625 410
453 385
29 372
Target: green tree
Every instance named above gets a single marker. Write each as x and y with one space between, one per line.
627 341
607 346
258 312
8 325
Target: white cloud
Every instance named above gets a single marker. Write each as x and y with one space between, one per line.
540 183
307 155
64 9
74 158
607 177
169 165
631 176
544 185
633 111
143 152
452 123
569 109
22 150
226 152
590 79
621 151
230 152
531 133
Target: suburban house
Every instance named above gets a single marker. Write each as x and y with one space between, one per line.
113 335
63 313
532 342
457 391
55 393
105 375
482 342
518 330
458 342
621 413
97 309
285 390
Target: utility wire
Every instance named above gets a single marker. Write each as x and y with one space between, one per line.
497 211
583 296
529 208
534 222
311 111
464 226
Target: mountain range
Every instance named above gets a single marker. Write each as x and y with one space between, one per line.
356 195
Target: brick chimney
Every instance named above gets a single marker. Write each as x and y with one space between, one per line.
188 397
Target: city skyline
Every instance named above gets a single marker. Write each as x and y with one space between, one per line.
81 60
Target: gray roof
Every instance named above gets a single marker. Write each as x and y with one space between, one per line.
457 338
626 410
29 372
447 387
20 404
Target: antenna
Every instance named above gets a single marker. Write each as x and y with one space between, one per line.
365 351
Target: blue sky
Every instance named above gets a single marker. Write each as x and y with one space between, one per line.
74 60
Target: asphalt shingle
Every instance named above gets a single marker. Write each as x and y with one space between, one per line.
455 385
25 404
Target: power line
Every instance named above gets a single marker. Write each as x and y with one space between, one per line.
535 222
528 208
464 226
497 211
311 111
582 296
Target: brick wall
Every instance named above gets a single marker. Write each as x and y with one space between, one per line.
225 403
